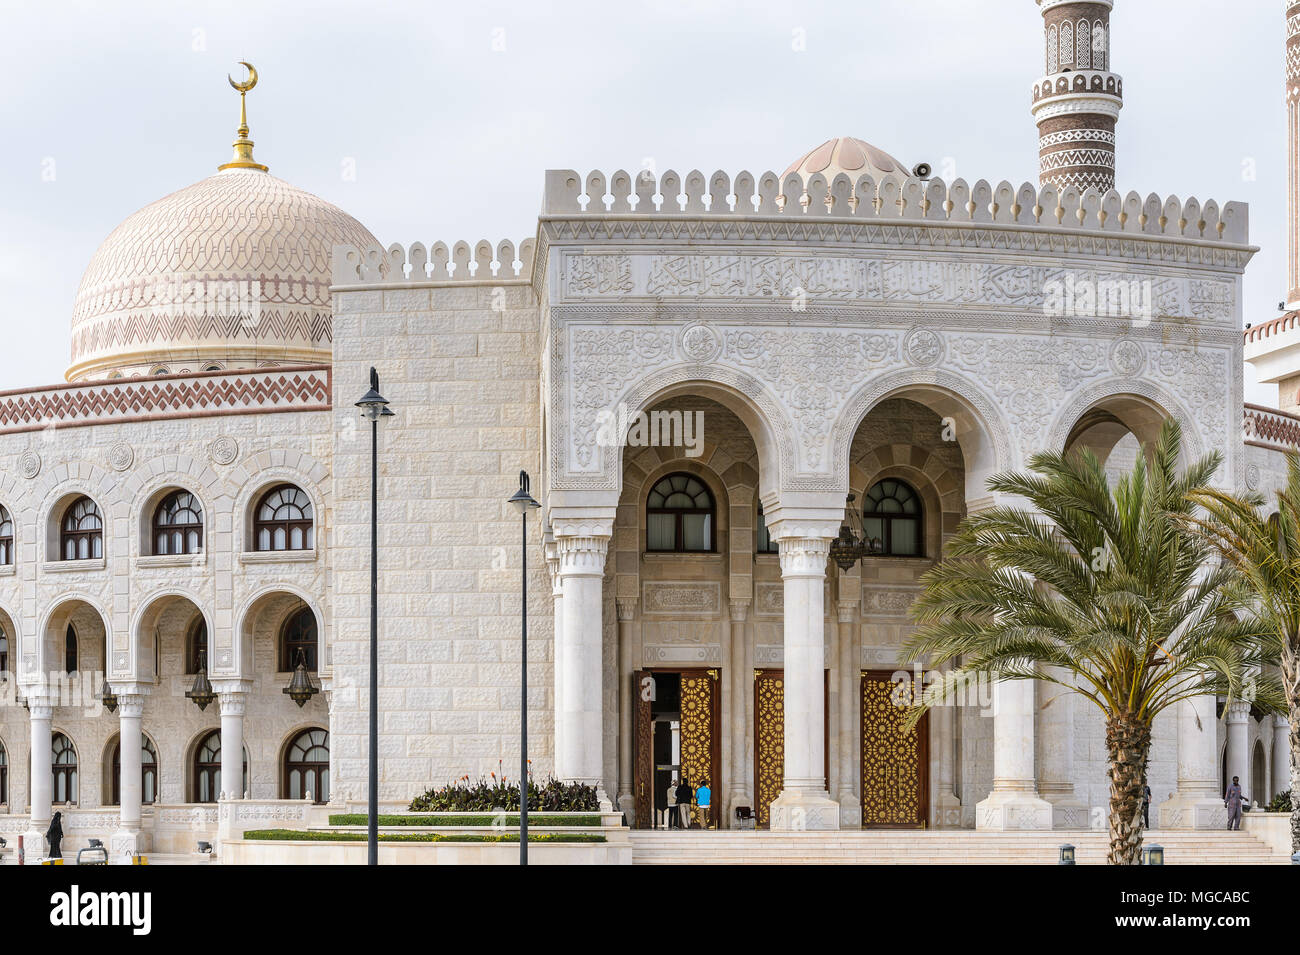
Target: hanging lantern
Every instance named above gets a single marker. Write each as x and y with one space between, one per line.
845 550
300 688
108 697
201 693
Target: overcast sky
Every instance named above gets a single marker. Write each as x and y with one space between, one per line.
450 112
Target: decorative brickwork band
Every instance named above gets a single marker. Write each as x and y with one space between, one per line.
1077 101
301 388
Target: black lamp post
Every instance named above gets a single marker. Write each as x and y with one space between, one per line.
374 406
523 502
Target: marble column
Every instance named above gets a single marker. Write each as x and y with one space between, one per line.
737 693
626 706
231 701
40 713
1238 753
582 569
1056 753
1281 761
557 641
804 802
848 748
1014 802
128 838
943 723
1197 804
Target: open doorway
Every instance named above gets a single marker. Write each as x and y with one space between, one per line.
678 739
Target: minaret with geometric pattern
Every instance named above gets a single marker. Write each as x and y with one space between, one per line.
1077 100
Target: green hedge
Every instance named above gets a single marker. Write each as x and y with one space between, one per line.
482 819
499 792
300 835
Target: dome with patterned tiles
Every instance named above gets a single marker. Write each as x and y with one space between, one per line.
230 272
850 156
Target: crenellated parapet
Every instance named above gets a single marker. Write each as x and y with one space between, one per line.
622 196
458 264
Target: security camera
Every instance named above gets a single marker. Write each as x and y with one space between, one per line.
921 170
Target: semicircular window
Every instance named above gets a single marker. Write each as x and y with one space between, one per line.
680 516
892 515
178 525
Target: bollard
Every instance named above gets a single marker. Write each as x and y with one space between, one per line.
1067 855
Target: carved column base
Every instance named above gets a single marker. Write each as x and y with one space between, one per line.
850 811
1193 811
1009 810
127 842
1069 813
34 848
947 811
804 810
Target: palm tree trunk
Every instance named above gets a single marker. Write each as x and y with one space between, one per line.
1128 742
1295 773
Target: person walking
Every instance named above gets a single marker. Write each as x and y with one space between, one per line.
670 801
703 799
1146 807
684 795
54 836
1232 799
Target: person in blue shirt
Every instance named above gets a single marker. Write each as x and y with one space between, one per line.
703 797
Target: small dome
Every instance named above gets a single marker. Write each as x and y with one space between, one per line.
233 270
850 156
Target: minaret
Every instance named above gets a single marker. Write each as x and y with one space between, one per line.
1077 100
1293 154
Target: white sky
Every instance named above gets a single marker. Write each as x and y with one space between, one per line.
449 134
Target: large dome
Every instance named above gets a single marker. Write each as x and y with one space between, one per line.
231 271
850 156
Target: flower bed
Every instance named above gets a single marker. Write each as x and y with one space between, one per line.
319 835
467 819
500 793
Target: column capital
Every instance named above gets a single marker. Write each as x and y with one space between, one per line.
804 556
231 687
130 688
846 609
626 608
1238 712
583 554
1281 722
130 706
739 610
232 704
40 709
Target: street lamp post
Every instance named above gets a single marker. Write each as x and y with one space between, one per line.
523 502
374 406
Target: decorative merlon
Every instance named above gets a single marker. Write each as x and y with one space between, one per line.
418 265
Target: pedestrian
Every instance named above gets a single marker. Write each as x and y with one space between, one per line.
670 801
684 795
54 836
703 799
1232 799
1146 807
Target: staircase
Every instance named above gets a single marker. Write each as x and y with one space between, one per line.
934 847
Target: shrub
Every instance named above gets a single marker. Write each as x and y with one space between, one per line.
484 819
499 792
1281 802
320 835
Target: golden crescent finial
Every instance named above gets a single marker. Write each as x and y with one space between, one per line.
249 82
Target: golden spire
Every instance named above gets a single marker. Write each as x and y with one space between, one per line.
243 158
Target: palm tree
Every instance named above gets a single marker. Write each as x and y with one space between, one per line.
1266 551
1103 592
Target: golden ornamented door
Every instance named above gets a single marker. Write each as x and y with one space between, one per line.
701 733
769 740
895 762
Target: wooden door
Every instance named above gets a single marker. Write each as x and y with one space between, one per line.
769 739
701 732
895 761
643 755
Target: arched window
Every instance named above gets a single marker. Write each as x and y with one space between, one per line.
160 370
307 766
196 646
1099 46
1067 44
6 537
63 759
207 769
1052 49
298 635
4 775
892 515
764 543
82 535
148 772
679 516
178 524
4 654
284 520
70 650
1083 44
